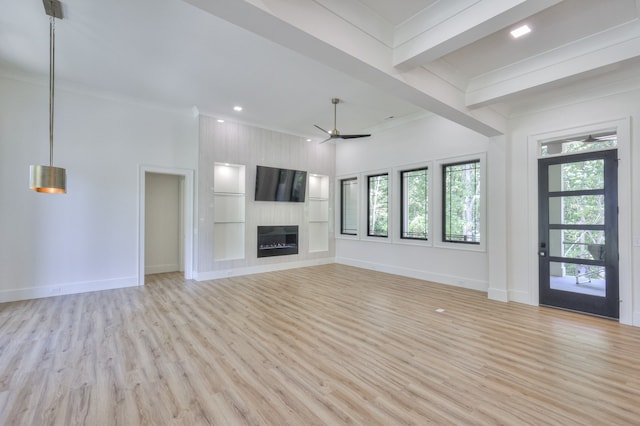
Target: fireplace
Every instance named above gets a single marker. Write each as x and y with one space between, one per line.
277 240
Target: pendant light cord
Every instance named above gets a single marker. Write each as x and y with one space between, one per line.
52 35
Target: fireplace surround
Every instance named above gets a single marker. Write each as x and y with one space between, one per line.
277 240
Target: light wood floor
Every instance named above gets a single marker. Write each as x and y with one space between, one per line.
321 345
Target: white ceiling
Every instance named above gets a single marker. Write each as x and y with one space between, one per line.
397 12
283 61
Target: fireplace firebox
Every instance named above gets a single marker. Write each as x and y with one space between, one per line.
277 240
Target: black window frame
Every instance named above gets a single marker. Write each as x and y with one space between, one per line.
369 234
444 167
342 208
402 203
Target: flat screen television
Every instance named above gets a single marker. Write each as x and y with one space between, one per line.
273 184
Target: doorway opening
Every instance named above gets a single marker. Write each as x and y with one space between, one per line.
163 233
165 241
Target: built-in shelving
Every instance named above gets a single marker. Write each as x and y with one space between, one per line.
318 213
229 211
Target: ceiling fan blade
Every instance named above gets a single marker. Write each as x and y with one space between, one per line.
588 139
335 134
321 129
604 138
353 136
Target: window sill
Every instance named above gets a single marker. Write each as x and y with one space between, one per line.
461 246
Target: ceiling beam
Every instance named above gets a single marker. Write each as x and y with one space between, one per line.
435 33
310 29
361 17
570 62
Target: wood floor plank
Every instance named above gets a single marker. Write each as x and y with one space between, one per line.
328 344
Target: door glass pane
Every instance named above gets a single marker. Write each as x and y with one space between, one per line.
577 278
576 244
576 176
577 210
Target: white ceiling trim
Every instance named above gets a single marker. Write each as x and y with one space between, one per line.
430 18
450 74
447 101
601 88
469 22
362 18
570 61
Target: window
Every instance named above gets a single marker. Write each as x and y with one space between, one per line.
377 211
461 202
414 187
349 206
591 142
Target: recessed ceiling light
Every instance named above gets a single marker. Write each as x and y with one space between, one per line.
220 121
308 140
237 108
520 31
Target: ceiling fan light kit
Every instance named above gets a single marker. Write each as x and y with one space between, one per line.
335 134
50 179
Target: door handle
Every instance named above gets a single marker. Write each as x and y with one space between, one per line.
542 253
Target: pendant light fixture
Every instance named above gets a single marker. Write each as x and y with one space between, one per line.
50 179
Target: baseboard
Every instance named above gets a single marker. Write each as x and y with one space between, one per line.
636 319
70 288
520 297
161 269
257 269
498 294
421 275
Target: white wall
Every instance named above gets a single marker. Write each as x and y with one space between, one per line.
87 239
163 223
623 109
428 139
240 144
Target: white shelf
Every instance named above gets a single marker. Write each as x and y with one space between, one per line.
318 210
318 213
318 187
229 194
228 241
318 236
229 211
228 178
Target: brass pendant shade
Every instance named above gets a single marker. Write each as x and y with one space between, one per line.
50 179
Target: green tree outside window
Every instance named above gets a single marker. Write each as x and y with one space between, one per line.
378 206
461 202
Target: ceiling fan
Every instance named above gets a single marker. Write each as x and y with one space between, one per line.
592 139
585 140
335 134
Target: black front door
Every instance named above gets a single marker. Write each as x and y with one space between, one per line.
578 232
